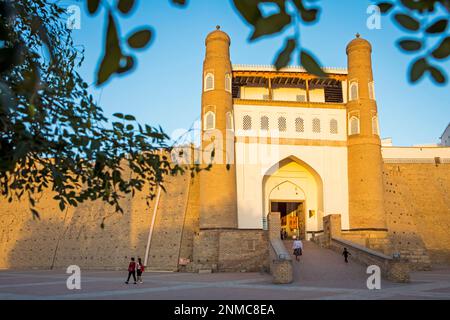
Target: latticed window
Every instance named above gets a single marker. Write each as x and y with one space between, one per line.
209 82
375 126
228 83
354 91
316 125
301 98
333 126
230 124
210 121
247 123
265 123
282 124
354 125
299 125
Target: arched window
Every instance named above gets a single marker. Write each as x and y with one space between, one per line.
282 124
228 82
209 82
333 126
375 126
210 120
265 123
247 123
299 125
372 90
354 126
316 125
354 95
230 122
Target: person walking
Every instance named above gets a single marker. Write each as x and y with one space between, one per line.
139 270
131 271
298 248
346 254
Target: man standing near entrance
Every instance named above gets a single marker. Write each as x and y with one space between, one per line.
298 248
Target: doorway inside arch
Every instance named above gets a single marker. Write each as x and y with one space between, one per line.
293 219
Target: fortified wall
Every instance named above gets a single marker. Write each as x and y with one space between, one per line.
417 203
417 206
75 236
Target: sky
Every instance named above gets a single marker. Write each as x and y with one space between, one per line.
165 88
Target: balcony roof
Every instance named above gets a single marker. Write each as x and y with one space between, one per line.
297 69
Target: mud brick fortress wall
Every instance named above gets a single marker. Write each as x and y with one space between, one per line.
417 204
75 236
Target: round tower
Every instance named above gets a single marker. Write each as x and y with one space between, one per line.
366 205
218 200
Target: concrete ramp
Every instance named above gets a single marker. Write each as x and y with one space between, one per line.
169 222
323 267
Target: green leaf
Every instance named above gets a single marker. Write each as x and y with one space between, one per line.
284 57
309 15
417 5
249 10
130 118
385 7
140 39
113 54
271 25
437 75
93 6
126 64
443 50
125 6
179 2
410 45
418 69
407 22
311 65
35 214
438 27
62 206
118 115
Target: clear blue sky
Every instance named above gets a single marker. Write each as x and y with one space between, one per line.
165 89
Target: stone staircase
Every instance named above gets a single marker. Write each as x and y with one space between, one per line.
169 222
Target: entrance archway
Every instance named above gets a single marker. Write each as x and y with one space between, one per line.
294 189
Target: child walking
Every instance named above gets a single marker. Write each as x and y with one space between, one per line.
140 269
346 254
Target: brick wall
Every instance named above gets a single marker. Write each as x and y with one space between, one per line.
61 239
417 204
168 229
243 250
191 226
74 236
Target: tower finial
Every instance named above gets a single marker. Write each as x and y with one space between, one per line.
358 35
217 27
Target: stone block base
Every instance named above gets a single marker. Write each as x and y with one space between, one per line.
231 250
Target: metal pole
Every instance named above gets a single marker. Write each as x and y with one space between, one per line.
149 240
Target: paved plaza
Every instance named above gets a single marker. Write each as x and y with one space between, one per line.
322 274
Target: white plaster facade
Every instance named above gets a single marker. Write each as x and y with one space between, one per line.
315 174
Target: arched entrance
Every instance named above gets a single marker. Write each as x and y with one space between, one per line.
294 189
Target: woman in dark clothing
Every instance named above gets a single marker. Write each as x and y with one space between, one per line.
131 271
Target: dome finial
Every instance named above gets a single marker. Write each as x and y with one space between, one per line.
217 27
358 35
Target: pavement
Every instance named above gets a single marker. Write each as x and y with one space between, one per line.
321 274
